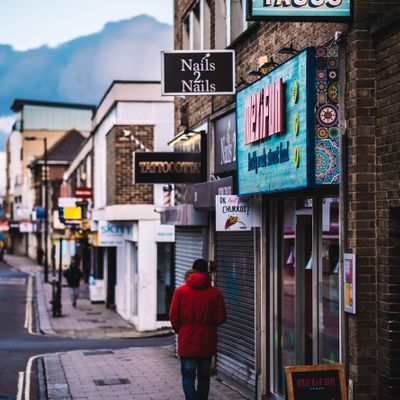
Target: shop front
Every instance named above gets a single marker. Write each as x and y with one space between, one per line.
288 157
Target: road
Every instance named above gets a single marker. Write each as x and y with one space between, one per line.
17 346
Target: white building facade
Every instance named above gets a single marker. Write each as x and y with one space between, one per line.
132 252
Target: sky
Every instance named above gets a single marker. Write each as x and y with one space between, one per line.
27 24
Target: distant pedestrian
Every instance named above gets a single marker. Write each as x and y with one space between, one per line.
73 275
197 309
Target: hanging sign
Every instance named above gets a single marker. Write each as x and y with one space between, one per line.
83 192
225 144
167 167
316 382
349 261
299 9
210 72
233 213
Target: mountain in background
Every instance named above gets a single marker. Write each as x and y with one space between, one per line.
80 71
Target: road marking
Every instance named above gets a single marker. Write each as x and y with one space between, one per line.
28 306
20 385
28 376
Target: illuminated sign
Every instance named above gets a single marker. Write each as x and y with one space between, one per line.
275 129
167 167
299 9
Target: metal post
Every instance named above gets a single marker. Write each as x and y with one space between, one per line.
46 215
59 282
60 269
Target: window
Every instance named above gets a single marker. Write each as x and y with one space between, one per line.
230 21
196 27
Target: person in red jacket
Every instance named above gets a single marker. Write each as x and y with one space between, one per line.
196 310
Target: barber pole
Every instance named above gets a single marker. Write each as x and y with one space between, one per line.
167 195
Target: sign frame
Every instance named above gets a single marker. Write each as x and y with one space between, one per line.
312 18
349 282
309 119
167 177
289 371
229 137
217 93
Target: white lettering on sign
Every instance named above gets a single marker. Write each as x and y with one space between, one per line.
263 115
197 84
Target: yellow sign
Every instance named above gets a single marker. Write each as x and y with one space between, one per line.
72 213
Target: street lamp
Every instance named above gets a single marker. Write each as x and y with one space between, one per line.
46 203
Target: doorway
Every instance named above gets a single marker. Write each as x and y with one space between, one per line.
111 276
304 284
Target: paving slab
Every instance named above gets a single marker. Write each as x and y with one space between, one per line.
134 373
87 320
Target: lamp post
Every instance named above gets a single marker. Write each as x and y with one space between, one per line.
46 205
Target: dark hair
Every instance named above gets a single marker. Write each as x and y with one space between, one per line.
200 265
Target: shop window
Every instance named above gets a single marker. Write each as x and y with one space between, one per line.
329 317
305 283
196 27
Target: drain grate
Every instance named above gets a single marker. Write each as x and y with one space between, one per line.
105 326
93 313
97 352
111 381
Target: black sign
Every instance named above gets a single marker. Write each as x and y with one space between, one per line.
316 382
167 168
198 72
225 144
14 225
204 193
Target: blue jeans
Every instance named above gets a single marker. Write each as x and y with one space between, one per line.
190 367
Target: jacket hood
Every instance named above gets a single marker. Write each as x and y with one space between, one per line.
198 280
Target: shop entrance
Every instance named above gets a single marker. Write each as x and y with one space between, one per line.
304 284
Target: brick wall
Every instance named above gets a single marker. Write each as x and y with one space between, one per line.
120 189
388 208
372 106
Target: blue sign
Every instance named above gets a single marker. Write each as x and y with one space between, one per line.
275 129
300 9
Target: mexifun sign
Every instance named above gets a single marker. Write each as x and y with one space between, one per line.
263 113
299 9
163 167
275 129
198 72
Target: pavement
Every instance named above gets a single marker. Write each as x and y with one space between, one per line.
140 373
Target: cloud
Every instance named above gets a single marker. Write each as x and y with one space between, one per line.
6 123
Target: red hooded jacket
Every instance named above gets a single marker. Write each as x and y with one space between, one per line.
196 310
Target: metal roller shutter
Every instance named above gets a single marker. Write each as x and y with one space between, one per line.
189 245
236 338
